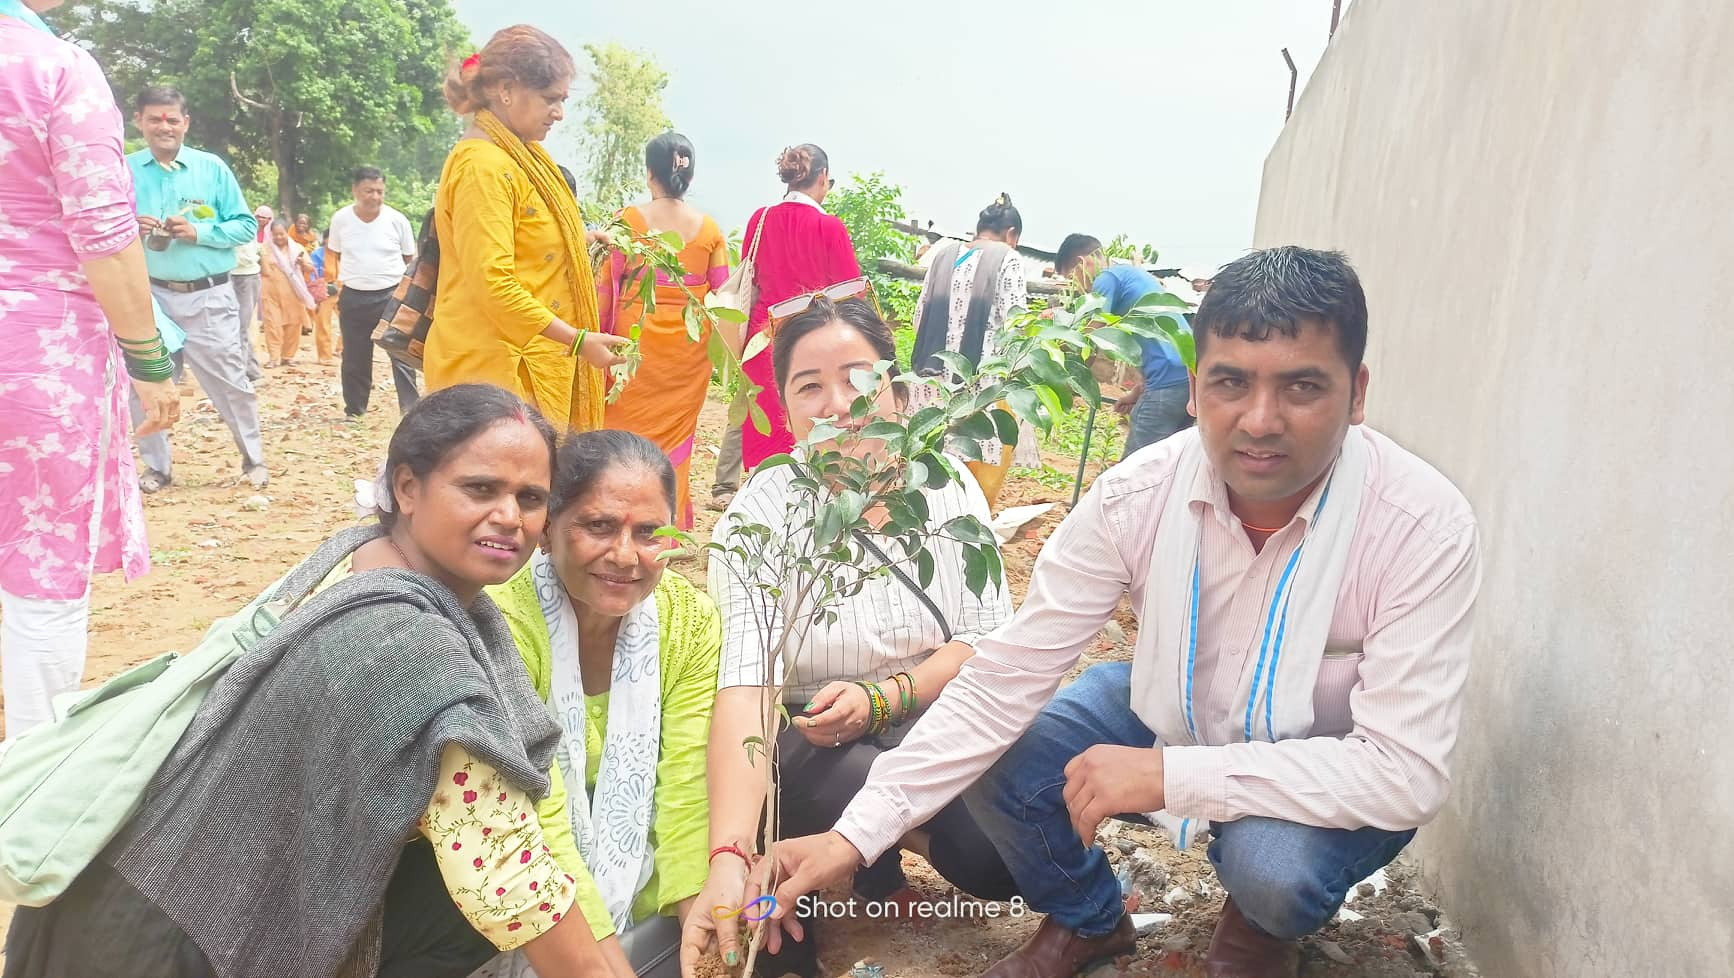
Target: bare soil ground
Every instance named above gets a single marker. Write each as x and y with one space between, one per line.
216 542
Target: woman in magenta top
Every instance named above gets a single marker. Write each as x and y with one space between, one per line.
805 249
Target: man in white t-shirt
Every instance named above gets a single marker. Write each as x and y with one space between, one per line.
369 247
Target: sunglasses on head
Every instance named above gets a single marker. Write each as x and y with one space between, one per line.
856 289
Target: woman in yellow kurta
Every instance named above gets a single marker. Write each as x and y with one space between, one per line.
663 400
516 303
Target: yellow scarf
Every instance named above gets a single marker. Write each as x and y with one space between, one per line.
587 381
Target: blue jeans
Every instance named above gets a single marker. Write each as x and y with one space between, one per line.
1287 879
1160 412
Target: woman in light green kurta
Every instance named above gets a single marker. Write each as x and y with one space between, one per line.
626 655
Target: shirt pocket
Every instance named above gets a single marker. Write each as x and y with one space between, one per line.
1339 676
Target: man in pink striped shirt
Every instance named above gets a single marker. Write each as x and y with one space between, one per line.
1305 589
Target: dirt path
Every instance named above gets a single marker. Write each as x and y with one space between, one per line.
215 543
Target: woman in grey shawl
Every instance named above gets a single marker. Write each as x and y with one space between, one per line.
382 741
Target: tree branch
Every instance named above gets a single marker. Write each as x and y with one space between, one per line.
255 104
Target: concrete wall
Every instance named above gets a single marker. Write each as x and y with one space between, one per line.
1540 199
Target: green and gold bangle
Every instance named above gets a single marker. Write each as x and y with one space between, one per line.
578 341
905 695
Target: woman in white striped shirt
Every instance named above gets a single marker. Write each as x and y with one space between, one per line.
892 637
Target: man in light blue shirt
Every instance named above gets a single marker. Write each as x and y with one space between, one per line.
192 217
1157 402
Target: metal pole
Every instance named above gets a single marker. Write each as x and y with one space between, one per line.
1336 12
1293 76
1084 456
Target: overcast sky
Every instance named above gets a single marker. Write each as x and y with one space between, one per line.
1151 117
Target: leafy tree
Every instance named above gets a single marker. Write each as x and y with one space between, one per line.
295 92
621 114
867 205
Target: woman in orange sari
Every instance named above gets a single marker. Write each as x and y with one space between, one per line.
663 400
284 300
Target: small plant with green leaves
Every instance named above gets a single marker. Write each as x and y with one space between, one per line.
656 257
860 485
631 356
159 238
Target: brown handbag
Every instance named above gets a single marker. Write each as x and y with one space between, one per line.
403 328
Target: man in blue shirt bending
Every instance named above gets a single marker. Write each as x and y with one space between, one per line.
192 217
1157 401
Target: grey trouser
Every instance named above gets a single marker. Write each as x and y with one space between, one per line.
247 294
211 318
728 462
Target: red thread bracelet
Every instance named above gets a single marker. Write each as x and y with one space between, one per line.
719 850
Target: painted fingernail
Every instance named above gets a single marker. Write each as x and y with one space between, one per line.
732 958
808 708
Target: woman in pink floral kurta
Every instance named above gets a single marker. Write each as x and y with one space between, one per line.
69 499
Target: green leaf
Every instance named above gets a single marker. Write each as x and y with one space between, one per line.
671 240
827 527
761 424
926 421
917 503
1051 400
823 431
1026 405
1048 368
915 474
756 345
1083 381
976 426
851 505
883 430
974 570
1005 425
1088 307
924 568
1157 301
969 530
864 381
995 568
957 364
753 744
728 315
1117 343
1062 334
939 471
967 449
1188 347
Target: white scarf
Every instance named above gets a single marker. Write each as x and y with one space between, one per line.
1275 701
612 827
287 261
